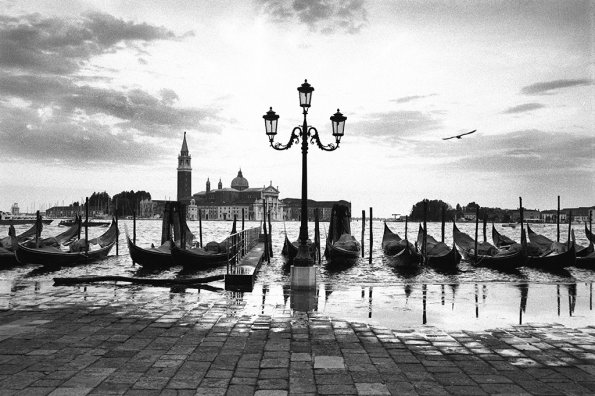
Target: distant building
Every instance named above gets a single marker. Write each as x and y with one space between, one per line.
57 212
292 209
530 215
470 215
548 216
225 203
14 210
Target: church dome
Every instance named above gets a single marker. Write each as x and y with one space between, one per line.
239 182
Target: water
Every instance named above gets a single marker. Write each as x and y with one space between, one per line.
472 298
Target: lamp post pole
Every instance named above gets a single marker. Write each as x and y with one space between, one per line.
304 133
303 257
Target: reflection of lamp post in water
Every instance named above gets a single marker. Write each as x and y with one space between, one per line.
304 275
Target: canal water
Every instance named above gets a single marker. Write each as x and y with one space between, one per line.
369 291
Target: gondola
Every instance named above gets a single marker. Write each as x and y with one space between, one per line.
8 244
437 254
290 249
52 256
341 246
400 251
555 258
63 238
589 234
487 254
499 239
197 258
153 257
541 241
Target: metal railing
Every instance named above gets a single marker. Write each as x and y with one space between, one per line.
239 244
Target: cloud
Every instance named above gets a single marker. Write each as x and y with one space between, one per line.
153 115
548 87
523 108
394 125
526 152
62 46
324 16
27 134
406 99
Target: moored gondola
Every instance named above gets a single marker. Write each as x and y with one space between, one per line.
437 254
197 258
500 240
153 257
79 253
487 254
341 246
401 252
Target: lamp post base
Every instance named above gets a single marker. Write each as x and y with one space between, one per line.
303 278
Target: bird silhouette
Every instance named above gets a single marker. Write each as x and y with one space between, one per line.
460 136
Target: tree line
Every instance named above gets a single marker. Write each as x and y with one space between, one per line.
125 201
437 206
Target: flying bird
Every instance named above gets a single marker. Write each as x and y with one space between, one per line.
460 136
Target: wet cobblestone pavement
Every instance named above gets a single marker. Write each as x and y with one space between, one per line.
59 343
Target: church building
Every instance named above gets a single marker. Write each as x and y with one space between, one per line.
223 203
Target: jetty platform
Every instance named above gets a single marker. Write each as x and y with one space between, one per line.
241 277
59 343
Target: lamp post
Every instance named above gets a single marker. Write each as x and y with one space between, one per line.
304 133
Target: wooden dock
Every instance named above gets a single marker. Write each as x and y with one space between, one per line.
241 276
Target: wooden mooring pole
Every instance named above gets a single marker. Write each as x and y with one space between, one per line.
371 235
363 231
558 221
118 237
134 227
242 219
476 230
270 233
266 237
200 226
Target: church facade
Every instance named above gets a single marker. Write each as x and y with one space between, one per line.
223 203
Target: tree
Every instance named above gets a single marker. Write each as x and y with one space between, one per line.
127 201
434 211
99 202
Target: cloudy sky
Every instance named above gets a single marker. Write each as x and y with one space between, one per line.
96 96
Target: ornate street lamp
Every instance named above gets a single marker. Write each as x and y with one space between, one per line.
304 133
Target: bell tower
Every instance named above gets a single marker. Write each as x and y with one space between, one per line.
184 173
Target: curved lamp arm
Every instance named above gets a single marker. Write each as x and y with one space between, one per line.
294 138
314 138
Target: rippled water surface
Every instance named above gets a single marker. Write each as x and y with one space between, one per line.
367 291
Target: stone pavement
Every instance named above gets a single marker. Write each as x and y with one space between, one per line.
62 344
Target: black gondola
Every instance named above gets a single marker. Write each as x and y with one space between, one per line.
487 254
52 256
153 257
341 246
197 258
400 251
437 254
500 240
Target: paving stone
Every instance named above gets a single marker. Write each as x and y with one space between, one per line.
365 388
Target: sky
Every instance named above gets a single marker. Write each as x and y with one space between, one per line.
96 96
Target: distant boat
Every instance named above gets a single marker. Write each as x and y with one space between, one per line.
18 221
68 223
